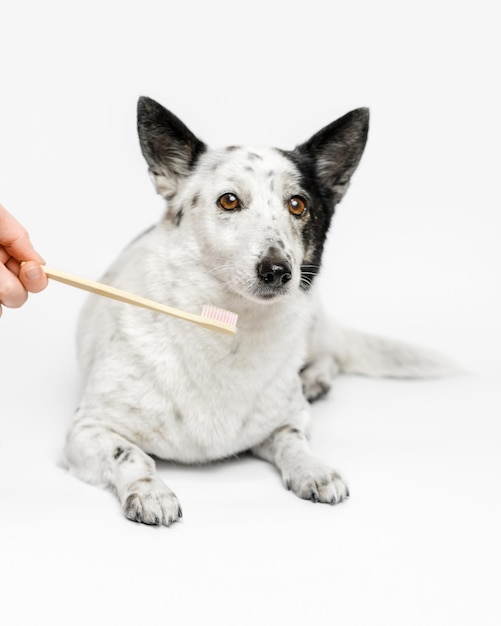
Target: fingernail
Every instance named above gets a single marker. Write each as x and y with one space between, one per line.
34 273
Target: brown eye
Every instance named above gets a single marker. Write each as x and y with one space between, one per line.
297 206
229 202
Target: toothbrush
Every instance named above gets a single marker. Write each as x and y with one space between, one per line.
212 317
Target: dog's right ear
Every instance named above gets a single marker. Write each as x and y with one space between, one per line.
169 147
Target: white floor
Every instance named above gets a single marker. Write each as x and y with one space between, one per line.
414 253
417 543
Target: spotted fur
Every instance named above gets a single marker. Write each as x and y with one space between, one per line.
159 386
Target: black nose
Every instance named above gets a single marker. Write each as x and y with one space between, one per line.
274 273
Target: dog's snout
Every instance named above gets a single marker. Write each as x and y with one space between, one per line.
274 272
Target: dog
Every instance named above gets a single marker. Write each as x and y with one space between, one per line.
244 229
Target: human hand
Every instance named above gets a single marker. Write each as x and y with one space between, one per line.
15 248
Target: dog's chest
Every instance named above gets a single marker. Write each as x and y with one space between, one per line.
197 396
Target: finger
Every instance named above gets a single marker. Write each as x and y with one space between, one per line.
15 239
12 292
13 265
4 255
22 250
33 277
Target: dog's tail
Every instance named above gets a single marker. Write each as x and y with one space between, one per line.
371 355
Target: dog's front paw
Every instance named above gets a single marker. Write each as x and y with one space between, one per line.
150 501
317 483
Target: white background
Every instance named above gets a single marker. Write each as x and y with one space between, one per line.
413 253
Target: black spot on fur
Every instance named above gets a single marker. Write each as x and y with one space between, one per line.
124 455
232 148
127 456
178 217
254 157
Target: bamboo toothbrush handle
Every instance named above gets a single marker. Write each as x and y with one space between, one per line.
124 296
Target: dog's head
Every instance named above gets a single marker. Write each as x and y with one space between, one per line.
259 216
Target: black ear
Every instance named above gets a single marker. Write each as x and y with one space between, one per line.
336 150
169 147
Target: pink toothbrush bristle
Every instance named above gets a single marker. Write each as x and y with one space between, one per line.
219 315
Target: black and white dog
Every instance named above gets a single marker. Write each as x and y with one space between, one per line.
244 230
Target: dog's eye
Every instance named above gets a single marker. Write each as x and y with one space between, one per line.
229 202
297 206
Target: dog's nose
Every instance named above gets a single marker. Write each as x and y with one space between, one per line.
273 272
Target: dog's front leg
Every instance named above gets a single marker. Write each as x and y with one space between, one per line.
100 456
307 476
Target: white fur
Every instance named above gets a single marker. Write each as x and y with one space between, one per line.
156 385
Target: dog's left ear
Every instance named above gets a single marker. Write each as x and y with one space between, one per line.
169 147
336 150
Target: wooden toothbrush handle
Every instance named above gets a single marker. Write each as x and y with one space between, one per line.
124 296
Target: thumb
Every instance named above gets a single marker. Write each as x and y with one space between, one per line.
32 277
